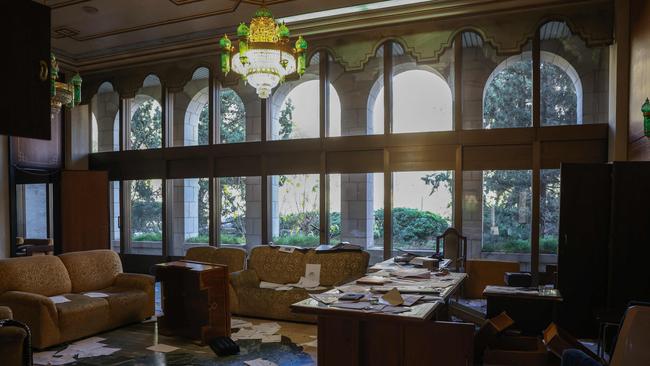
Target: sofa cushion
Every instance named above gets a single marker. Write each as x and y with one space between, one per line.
44 275
92 270
338 268
275 266
234 258
82 316
126 305
272 304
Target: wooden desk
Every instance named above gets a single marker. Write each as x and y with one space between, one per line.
531 311
195 300
359 337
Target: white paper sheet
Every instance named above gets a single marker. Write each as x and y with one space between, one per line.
313 343
270 285
96 294
101 351
238 323
42 358
312 274
275 338
59 299
162 348
260 362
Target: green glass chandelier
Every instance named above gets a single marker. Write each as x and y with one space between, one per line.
265 56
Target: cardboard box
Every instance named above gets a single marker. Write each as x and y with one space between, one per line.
489 331
516 351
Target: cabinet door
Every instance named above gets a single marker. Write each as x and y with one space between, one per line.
25 106
84 210
630 235
583 245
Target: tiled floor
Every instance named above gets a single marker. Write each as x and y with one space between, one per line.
134 339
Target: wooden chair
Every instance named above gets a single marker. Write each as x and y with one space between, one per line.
454 247
29 247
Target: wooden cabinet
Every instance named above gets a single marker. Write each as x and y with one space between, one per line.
25 105
604 242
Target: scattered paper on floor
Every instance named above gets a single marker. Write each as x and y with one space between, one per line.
162 348
260 362
239 323
313 343
275 338
89 347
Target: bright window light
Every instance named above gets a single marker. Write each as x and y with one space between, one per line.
349 10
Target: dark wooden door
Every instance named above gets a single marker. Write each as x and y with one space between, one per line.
583 245
25 106
630 235
84 210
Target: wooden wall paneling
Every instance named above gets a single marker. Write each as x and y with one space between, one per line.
308 162
555 153
639 145
370 161
243 166
447 343
199 167
497 157
84 210
40 154
440 157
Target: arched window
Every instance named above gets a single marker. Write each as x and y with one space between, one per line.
422 98
232 117
507 97
190 127
104 127
146 116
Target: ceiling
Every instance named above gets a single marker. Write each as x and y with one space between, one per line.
85 29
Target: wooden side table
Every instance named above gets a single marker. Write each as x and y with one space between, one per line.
195 300
531 311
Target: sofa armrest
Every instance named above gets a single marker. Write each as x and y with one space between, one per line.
38 312
245 278
135 281
5 313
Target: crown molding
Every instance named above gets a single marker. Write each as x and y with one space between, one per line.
205 43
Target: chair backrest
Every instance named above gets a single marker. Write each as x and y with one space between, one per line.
234 258
454 246
633 338
92 269
44 275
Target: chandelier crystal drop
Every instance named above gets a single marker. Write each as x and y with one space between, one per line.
265 56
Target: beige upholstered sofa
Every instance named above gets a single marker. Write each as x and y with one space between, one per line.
271 265
26 285
12 341
234 258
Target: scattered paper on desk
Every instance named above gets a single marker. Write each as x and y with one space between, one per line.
392 297
373 280
59 299
313 343
96 294
239 323
412 273
410 300
352 305
352 288
283 288
274 338
260 362
394 309
325 298
162 348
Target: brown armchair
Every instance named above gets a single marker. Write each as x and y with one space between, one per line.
14 345
454 247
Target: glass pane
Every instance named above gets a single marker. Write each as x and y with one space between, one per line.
574 78
357 102
422 208
191 111
146 217
241 211
114 211
240 114
295 205
356 211
146 116
507 95
190 206
105 119
422 97
32 208
549 223
507 215
295 111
